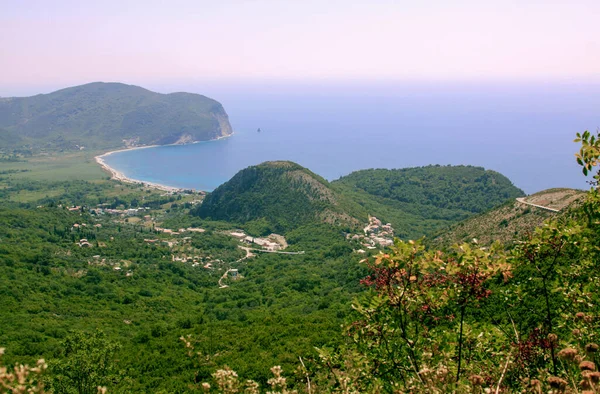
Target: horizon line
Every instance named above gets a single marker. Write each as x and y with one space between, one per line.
18 89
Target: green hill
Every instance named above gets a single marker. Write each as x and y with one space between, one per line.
511 221
420 200
282 195
108 115
416 201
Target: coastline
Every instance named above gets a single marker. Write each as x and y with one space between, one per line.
119 176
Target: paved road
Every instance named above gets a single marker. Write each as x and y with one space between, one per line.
522 200
275 251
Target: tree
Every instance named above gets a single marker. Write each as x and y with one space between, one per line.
87 363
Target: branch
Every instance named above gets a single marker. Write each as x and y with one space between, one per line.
503 372
306 373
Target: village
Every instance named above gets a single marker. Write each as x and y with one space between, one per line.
273 242
376 235
178 242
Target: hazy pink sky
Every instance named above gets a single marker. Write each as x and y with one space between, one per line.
61 42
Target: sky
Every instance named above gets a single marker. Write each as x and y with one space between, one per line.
46 44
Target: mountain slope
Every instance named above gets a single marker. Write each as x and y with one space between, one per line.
107 115
418 201
282 194
510 221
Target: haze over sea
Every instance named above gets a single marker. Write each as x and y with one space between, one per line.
525 131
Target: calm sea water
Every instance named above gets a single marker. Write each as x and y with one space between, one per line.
523 131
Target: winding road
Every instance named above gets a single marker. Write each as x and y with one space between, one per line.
522 201
221 285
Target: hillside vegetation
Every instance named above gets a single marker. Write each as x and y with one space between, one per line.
511 221
125 283
282 195
420 200
108 115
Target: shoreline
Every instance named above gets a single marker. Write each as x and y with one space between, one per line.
121 177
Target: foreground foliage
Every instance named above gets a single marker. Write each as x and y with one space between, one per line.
22 378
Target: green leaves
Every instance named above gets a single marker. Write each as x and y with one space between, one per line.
88 362
589 153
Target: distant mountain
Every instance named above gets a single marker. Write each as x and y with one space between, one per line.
418 201
510 221
283 195
109 115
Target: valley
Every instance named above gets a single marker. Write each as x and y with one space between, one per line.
147 266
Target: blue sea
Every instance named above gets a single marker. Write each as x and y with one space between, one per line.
522 130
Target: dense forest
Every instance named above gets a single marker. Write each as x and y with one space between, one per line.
464 188
422 199
143 301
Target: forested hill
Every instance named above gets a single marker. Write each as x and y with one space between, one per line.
281 195
420 200
108 115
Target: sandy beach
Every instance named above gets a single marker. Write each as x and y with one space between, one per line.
119 176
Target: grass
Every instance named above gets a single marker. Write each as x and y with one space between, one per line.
51 176
31 196
57 167
51 168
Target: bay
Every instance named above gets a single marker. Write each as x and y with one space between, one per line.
525 131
